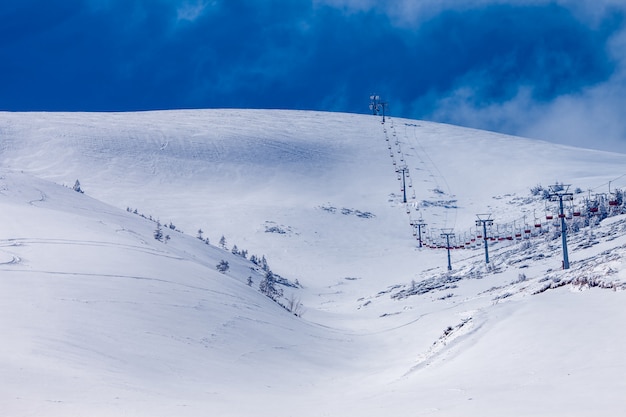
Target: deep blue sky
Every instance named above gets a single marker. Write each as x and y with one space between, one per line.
546 69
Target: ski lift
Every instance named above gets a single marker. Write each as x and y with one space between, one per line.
613 200
537 222
593 209
518 235
549 215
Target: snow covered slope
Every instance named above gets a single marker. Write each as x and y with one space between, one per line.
102 319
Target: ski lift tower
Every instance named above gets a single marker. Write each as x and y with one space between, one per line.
375 104
383 106
559 192
404 170
419 224
485 220
447 233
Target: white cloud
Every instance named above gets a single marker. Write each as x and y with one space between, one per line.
190 11
592 118
411 12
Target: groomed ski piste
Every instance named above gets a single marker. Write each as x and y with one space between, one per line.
99 318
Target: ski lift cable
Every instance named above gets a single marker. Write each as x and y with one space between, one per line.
608 182
438 172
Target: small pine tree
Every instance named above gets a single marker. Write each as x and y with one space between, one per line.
77 187
222 242
249 281
235 250
199 235
158 232
222 266
268 286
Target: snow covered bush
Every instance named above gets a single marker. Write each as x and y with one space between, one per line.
222 266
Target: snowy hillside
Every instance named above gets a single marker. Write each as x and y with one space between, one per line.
100 318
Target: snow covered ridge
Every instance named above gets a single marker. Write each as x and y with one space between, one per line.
100 317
